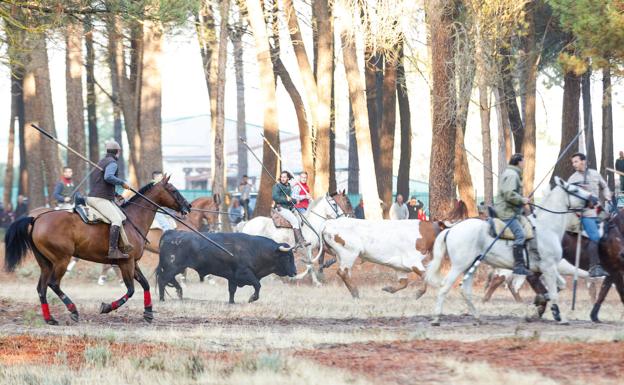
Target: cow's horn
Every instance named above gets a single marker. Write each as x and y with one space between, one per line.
284 248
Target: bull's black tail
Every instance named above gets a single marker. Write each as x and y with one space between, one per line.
17 241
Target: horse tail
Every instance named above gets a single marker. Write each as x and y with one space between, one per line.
439 251
17 241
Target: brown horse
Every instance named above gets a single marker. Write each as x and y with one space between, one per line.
56 236
203 217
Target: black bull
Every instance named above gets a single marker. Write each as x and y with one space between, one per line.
254 258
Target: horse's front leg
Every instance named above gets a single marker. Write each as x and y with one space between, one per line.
604 290
148 314
127 274
550 279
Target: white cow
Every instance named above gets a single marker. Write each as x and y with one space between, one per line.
399 244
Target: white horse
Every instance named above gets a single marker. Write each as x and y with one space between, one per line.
319 211
468 239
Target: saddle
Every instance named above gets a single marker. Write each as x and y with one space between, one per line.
88 214
497 225
279 221
574 225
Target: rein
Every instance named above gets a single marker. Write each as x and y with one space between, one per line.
569 211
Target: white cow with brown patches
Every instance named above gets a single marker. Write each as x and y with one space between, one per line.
399 244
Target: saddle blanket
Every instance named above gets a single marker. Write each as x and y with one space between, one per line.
508 235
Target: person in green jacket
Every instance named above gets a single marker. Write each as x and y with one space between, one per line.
509 204
282 196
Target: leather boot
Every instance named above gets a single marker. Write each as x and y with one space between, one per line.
113 251
519 267
299 240
126 249
595 269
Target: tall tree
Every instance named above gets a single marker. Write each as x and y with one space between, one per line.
75 103
386 133
236 36
569 123
607 128
441 169
8 176
370 195
267 85
353 182
406 128
531 62
94 145
588 124
509 92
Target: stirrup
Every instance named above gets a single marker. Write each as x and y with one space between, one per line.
116 254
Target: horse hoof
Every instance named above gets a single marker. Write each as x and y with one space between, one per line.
52 322
388 289
148 316
253 299
74 316
105 308
564 322
435 322
179 293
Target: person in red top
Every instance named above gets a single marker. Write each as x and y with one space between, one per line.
420 209
301 193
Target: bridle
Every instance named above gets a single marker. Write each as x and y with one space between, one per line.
569 210
334 206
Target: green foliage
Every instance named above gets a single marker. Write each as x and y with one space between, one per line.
597 26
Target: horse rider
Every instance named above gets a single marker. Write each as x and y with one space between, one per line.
64 190
590 180
509 204
102 197
163 220
282 196
301 193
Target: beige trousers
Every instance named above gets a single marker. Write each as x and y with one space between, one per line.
289 216
112 212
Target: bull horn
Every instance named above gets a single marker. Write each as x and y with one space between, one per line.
284 248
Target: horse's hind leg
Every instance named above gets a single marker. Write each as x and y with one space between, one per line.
604 290
450 279
42 287
493 285
55 284
148 314
127 273
467 294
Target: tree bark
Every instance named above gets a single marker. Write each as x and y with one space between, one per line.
150 122
569 124
353 182
607 129
486 140
441 194
373 75
308 137
8 176
75 103
588 123
267 85
207 36
370 195
406 129
509 96
504 137
236 35
32 139
530 84
324 77
386 135
94 145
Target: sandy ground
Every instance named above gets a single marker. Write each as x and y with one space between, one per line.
303 331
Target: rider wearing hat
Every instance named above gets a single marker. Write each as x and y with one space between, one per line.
102 197
509 205
590 180
282 196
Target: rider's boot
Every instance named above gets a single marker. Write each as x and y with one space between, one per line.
126 249
519 267
113 251
299 240
595 269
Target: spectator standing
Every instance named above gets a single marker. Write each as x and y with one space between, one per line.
412 208
235 213
398 210
244 188
619 166
359 210
64 190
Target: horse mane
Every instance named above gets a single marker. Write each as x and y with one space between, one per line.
142 191
459 212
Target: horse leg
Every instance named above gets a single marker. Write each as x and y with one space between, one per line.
604 290
450 279
127 273
467 294
541 295
591 289
345 274
493 285
148 314
402 285
55 284
42 287
550 279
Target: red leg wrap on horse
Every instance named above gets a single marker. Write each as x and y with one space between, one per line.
116 304
71 307
45 309
147 299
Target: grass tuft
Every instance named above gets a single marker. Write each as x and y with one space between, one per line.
98 355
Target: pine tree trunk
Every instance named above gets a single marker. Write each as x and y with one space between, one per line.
94 145
607 129
17 64
236 36
324 76
370 195
569 124
509 96
504 137
267 85
486 140
75 103
8 176
353 183
588 123
117 124
406 130
530 82
441 194
386 135
150 122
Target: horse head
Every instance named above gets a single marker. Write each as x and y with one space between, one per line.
578 198
165 194
344 203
